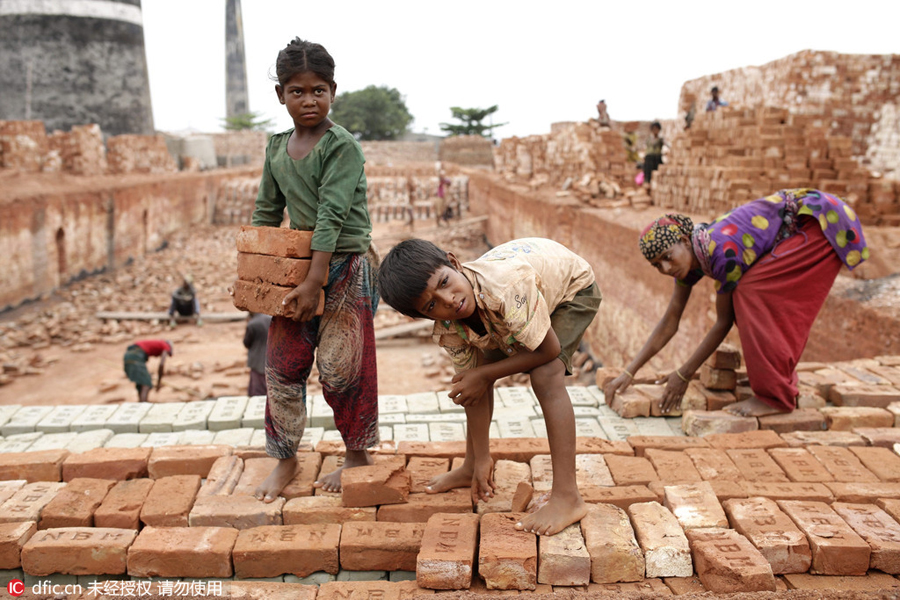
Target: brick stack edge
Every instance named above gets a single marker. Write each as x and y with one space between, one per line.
272 261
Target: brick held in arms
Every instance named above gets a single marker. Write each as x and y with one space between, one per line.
275 241
265 298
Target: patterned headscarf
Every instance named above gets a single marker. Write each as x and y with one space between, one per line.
663 233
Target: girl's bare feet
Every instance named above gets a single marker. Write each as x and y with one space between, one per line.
752 407
557 514
332 481
457 478
280 476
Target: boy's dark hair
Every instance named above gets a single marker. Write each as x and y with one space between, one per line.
405 271
655 124
301 56
715 89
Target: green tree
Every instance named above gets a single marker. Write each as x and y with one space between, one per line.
373 113
246 121
471 121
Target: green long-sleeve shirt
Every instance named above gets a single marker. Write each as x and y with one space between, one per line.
325 192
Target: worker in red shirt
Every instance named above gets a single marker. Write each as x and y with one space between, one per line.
136 357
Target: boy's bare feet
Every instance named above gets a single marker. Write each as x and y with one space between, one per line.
553 517
752 407
354 458
280 476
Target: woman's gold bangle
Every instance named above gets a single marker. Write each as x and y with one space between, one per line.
628 373
682 377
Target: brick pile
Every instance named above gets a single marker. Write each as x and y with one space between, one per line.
81 151
139 154
240 147
272 261
736 512
393 153
732 156
390 197
883 153
467 150
23 145
235 201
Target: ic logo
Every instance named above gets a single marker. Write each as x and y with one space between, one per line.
16 587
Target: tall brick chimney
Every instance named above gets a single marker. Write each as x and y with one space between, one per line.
236 102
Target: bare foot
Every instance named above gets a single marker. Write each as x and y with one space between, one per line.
332 481
553 517
457 478
752 407
280 476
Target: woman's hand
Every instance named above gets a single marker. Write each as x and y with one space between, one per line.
675 389
619 384
301 303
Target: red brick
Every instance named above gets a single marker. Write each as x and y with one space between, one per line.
563 559
631 403
822 438
275 550
184 460
8 488
713 464
655 393
223 477
274 241
240 512
622 496
420 507
647 588
257 469
43 465
883 437
762 439
423 469
380 546
631 470
836 548
695 505
817 492
611 543
891 506
277 270
507 475
28 502
665 548
518 449
664 442
801 419
716 399
107 463
848 418
800 465
726 356
726 562
121 508
756 465
684 585
374 485
12 537
864 395
265 298
772 532
584 445
75 504
203 552
725 490
432 449
322 510
507 557
884 463
878 529
717 379
170 501
842 464
672 467
446 559
703 423
368 590
873 582
864 492
77 551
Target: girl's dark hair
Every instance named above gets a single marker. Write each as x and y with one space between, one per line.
405 271
301 56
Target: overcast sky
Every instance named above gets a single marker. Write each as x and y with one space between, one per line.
540 62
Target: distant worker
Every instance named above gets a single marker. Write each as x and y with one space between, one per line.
255 337
715 102
136 364
653 154
185 302
444 210
602 115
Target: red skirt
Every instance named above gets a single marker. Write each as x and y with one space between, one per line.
775 305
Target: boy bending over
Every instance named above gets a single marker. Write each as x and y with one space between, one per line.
523 307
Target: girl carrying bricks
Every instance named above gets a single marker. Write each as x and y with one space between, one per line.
315 170
773 262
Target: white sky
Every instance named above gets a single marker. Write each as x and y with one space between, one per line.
541 62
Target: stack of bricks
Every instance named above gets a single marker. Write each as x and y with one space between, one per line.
23 145
391 196
235 200
467 150
80 150
569 151
883 153
741 512
235 148
272 261
732 156
139 154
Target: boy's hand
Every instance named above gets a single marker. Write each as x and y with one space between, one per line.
483 480
301 303
469 387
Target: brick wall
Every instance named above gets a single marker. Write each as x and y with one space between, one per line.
468 150
235 148
390 153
